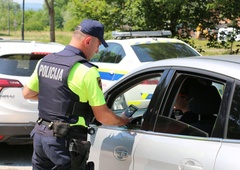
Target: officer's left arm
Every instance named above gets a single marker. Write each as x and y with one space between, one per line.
29 94
30 90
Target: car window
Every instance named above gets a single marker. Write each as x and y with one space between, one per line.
19 64
112 54
98 56
159 51
138 95
233 130
173 126
192 106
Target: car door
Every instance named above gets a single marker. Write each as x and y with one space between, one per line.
112 146
171 144
228 155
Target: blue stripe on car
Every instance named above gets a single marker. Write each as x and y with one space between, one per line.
110 77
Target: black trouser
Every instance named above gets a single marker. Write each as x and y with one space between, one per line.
79 147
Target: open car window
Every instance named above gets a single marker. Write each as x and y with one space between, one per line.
138 94
192 106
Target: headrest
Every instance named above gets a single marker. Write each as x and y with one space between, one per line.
206 100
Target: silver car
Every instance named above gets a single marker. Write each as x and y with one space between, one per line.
17 62
157 138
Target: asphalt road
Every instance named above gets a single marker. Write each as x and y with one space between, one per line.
15 157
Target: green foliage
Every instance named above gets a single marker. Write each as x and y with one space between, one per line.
212 42
79 10
35 21
201 11
185 36
128 14
9 15
228 8
124 15
227 41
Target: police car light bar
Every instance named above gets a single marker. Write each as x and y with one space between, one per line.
163 33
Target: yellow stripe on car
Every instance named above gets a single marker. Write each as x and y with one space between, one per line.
144 95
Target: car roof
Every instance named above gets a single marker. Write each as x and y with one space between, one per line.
134 41
25 47
228 65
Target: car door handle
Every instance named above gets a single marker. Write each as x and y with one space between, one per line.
189 165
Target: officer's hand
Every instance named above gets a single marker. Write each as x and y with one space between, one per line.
125 119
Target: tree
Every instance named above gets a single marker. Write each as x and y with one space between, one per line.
50 7
90 9
159 14
10 15
228 9
60 8
33 20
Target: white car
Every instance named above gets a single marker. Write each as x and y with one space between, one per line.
157 138
17 62
122 56
225 34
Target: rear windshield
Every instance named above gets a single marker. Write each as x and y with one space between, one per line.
159 51
19 64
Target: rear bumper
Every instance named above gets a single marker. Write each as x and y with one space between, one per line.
16 133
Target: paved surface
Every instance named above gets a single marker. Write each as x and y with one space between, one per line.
15 167
15 157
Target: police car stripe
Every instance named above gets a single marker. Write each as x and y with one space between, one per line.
110 77
106 74
146 95
115 71
136 103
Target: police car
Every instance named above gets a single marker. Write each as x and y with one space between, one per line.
156 138
17 62
125 53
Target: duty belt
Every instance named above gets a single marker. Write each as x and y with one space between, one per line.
40 121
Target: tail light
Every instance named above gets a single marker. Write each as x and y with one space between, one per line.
1 137
40 53
9 83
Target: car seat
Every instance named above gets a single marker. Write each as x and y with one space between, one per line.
206 103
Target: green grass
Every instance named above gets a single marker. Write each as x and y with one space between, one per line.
60 36
202 43
64 38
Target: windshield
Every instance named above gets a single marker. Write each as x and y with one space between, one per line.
159 51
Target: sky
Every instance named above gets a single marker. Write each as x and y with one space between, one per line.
29 1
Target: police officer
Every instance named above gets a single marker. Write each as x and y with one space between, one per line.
62 82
